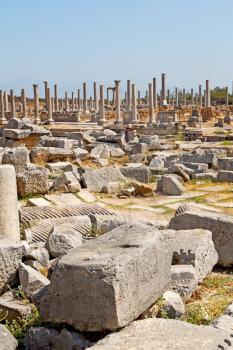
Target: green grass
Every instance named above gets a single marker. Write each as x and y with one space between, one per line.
227 143
210 300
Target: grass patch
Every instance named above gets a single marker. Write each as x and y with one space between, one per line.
210 300
197 199
227 143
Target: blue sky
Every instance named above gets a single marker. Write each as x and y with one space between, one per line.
70 41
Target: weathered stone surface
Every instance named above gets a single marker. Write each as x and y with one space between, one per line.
31 280
113 187
59 167
225 176
68 340
173 304
223 322
192 247
42 155
157 163
7 341
9 215
15 134
41 338
206 176
80 153
40 254
184 280
219 224
198 167
18 157
127 270
116 152
95 179
149 139
67 182
61 240
209 158
44 338
136 172
12 309
11 254
170 185
139 148
163 334
138 158
225 163
100 152
182 171
33 181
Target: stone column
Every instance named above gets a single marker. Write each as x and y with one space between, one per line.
85 109
67 109
3 118
192 97
52 102
205 99
176 97
155 93
55 98
208 103
101 106
6 104
79 101
168 96
200 95
36 104
107 96
13 113
129 96
227 96
9 213
139 97
134 104
163 95
184 97
50 111
151 106
118 101
72 102
45 95
24 103
96 98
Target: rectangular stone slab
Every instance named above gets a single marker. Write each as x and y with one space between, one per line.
219 224
163 334
109 281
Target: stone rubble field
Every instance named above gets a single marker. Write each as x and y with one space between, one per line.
113 237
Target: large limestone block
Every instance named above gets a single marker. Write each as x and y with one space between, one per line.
136 172
31 280
219 224
192 247
11 254
9 215
170 185
226 163
96 179
163 334
33 181
225 176
209 158
7 341
18 157
107 282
